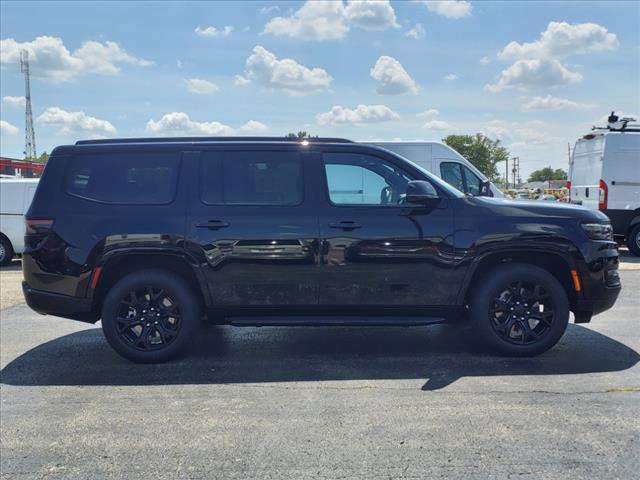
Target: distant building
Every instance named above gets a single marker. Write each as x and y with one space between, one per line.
20 168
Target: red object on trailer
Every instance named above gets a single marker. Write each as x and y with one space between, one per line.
20 168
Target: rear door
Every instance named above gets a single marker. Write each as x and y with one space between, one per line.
586 171
253 228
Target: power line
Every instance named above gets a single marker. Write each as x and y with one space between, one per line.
29 132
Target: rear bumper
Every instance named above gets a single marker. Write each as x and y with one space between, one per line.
48 303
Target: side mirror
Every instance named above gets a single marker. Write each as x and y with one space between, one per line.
485 189
421 192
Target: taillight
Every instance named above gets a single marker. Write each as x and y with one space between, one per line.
568 187
603 193
38 225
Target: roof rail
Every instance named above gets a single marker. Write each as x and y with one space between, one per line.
211 139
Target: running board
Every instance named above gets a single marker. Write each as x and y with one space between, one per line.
339 321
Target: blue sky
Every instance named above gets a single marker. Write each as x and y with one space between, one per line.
534 74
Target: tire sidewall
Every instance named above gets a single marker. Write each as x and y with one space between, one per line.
8 252
492 286
189 309
631 240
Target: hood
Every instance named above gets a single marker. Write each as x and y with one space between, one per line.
503 206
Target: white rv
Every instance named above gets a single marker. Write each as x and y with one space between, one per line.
15 198
444 162
604 174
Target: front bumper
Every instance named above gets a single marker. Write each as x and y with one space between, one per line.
48 303
601 287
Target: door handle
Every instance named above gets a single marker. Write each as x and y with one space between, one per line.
345 225
213 224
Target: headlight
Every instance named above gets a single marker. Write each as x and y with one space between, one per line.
598 231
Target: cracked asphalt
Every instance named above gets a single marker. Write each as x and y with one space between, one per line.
328 403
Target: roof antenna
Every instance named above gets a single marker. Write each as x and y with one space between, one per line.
613 118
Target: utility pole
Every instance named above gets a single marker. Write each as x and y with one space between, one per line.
506 174
29 133
515 170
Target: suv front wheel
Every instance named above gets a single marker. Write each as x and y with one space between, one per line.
150 316
519 310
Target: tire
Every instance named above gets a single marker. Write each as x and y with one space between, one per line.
633 240
150 316
6 251
519 310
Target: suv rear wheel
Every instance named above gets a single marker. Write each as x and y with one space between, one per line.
150 316
520 310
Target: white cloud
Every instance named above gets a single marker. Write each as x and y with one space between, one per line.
331 20
485 60
7 129
393 78
371 14
449 8
285 74
240 81
212 32
179 124
553 104
430 112
451 76
253 126
527 74
361 114
417 32
313 21
75 122
200 86
438 125
562 39
49 58
517 135
537 63
268 10
14 102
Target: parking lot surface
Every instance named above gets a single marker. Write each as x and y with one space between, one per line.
302 403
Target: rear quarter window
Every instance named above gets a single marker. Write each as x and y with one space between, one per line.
123 178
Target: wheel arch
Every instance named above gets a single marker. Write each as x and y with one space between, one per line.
118 265
556 263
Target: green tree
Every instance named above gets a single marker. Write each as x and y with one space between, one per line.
43 158
300 135
546 174
483 152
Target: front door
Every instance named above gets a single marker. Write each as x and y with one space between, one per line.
376 249
251 228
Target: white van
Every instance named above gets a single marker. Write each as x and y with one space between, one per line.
15 198
444 162
604 174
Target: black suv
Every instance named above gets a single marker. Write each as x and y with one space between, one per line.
153 236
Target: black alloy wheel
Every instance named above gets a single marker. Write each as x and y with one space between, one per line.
150 316
518 309
522 313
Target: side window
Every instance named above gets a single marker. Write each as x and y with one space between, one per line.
251 178
474 184
451 172
356 179
124 178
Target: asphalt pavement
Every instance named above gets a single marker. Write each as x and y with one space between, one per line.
328 403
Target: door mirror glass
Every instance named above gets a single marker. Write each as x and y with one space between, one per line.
485 189
421 192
